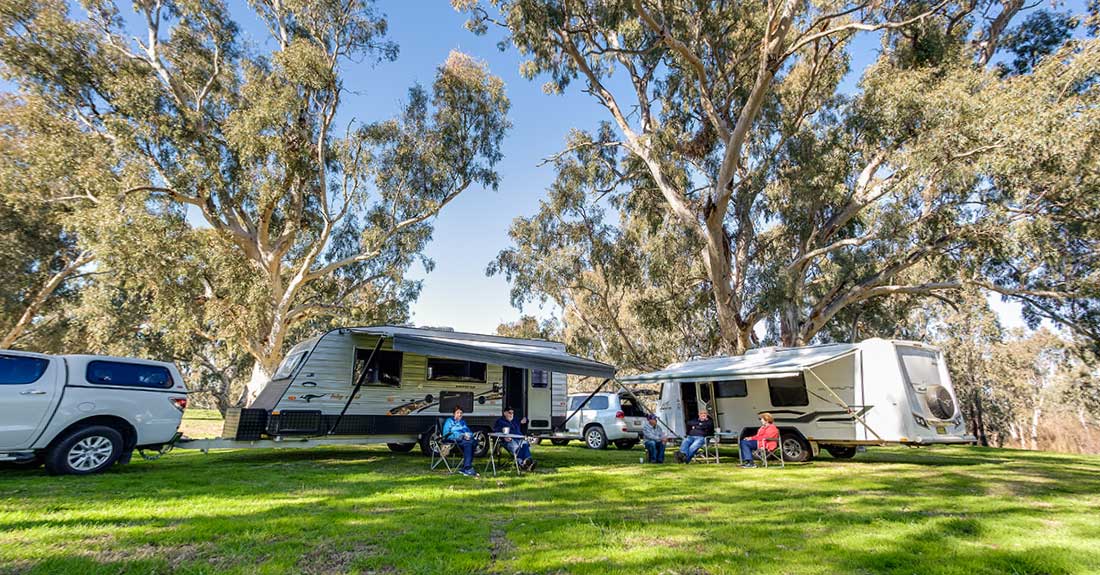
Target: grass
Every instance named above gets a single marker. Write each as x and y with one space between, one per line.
337 510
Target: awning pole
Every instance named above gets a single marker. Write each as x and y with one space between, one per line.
358 384
583 403
851 411
653 412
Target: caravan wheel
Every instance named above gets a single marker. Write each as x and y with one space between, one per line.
841 451
795 448
481 448
401 447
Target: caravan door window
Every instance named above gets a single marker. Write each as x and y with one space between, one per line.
788 391
385 370
540 378
455 370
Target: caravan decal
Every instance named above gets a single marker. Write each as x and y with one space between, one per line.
825 415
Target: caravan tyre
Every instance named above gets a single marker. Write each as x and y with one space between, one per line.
559 442
401 447
625 444
595 438
481 448
796 449
841 451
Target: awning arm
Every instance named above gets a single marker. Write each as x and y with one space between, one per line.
841 403
651 412
358 384
583 403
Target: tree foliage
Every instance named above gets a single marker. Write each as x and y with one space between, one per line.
801 204
300 218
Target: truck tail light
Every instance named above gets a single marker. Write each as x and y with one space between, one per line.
179 403
620 415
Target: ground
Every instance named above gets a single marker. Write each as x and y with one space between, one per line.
366 510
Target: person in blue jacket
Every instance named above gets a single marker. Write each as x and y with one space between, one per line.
456 430
520 448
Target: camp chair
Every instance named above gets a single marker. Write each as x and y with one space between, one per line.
441 448
764 454
709 452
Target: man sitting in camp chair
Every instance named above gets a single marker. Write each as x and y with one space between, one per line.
519 448
456 430
698 430
766 438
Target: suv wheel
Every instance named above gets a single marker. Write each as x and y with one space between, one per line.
595 438
795 448
841 451
625 444
86 450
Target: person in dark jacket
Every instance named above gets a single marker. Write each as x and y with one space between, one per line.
520 448
698 430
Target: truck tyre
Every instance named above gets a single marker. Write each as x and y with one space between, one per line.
559 442
795 449
595 438
625 444
401 447
841 451
85 450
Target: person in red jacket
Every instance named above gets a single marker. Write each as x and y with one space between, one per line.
767 433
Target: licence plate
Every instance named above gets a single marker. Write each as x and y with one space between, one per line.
941 430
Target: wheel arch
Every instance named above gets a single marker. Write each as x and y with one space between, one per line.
127 429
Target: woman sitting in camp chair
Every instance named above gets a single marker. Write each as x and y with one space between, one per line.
767 437
456 430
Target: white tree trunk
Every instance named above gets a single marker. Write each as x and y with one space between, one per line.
256 384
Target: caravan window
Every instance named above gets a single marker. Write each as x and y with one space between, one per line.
385 370
540 378
788 391
290 365
731 388
455 369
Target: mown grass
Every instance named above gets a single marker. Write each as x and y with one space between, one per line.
942 511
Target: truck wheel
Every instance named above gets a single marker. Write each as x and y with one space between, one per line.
625 444
595 438
796 449
559 442
86 450
401 447
841 451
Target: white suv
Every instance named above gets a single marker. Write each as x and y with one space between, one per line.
606 418
80 414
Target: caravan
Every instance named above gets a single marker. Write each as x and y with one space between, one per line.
837 397
393 385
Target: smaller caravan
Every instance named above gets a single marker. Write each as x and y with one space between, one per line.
393 385
837 397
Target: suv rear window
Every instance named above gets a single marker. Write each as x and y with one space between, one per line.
21 370
597 402
128 374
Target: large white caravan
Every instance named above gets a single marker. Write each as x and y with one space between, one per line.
837 396
390 384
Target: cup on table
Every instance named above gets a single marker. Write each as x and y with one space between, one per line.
506 430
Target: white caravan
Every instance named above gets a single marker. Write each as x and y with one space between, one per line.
390 384
836 397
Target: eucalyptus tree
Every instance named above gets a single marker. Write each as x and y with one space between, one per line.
808 201
304 217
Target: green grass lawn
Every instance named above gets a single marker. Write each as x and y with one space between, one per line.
337 510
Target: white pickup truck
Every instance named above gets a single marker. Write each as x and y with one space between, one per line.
80 414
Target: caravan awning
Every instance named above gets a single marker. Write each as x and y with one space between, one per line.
779 363
530 354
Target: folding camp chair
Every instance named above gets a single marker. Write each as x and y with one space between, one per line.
708 453
441 448
764 454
